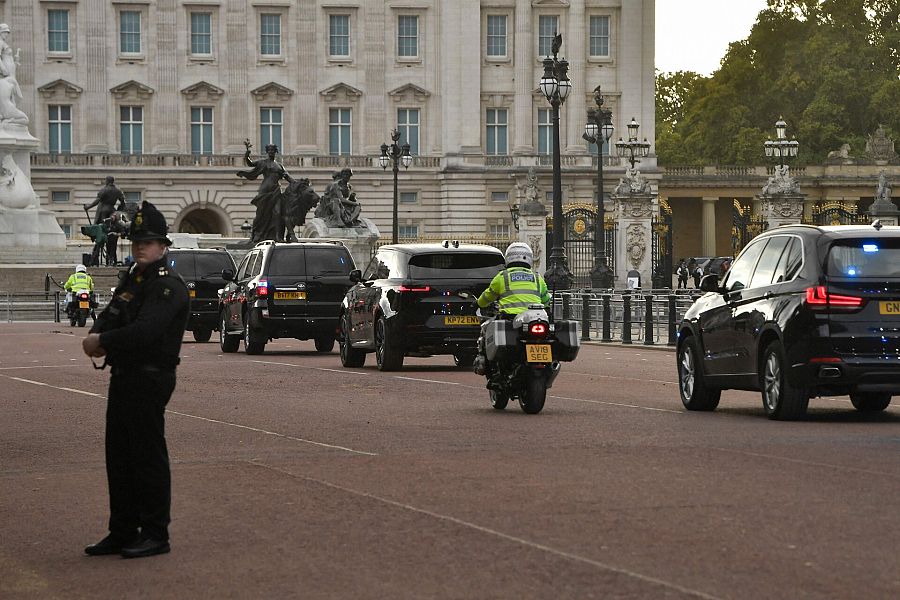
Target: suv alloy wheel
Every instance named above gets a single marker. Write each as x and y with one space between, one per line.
782 401
695 395
227 342
350 357
254 342
386 354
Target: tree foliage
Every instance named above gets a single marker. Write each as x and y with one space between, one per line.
831 68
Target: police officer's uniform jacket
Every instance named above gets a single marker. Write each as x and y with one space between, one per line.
79 281
514 289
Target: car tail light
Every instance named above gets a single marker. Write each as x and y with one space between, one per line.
415 288
825 359
262 288
819 298
538 329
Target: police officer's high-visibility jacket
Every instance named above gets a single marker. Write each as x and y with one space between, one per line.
79 281
514 289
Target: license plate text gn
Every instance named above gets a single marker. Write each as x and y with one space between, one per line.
889 308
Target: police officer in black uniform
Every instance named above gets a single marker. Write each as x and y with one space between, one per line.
139 335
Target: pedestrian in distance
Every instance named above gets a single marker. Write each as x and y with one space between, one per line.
682 273
723 269
139 336
698 275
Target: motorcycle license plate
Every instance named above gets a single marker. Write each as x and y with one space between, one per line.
462 320
538 353
192 293
84 305
290 295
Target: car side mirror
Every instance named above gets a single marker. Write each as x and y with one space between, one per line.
355 275
710 283
227 274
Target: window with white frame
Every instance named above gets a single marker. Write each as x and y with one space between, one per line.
201 130
131 129
548 26
545 131
270 124
408 126
339 35
407 36
408 232
592 148
130 32
66 229
58 30
409 197
58 197
132 198
496 123
599 36
500 197
499 232
60 126
201 33
270 34
496 35
339 123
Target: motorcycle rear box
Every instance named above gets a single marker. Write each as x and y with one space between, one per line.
498 333
568 340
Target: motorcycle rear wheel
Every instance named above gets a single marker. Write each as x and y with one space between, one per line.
82 319
532 401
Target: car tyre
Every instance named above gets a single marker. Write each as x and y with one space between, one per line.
202 335
227 342
870 401
695 394
781 400
387 356
254 342
324 343
464 360
351 357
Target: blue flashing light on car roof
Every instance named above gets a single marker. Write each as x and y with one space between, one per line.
870 248
851 271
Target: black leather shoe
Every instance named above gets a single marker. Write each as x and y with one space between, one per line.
109 545
145 547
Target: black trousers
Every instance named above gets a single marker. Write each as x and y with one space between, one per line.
137 460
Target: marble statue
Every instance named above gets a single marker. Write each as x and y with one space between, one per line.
781 182
15 189
883 190
10 92
633 183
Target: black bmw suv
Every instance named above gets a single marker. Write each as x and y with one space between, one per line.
417 300
280 290
803 312
201 270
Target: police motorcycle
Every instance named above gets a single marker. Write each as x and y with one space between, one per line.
520 355
78 307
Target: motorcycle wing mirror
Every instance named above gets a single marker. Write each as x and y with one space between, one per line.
355 275
710 283
227 274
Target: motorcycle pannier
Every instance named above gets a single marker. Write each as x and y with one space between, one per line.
568 340
498 334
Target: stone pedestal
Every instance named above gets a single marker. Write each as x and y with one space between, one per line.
782 209
359 240
886 212
533 231
634 238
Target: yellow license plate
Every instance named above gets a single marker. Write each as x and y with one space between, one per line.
538 353
462 320
889 308
84 305
192 293
290 295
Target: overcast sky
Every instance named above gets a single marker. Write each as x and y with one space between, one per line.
693 35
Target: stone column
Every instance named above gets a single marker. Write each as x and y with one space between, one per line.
533 231
236 68
166 104
708 247
95 99
524 43
379 117
634 241
573 112
306 99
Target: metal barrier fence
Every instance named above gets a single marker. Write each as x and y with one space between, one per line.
632 317
44 306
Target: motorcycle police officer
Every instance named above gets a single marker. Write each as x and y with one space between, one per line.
77 281
139 335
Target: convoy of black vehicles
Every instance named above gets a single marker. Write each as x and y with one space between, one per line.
284 290
417 300
201 270
804 311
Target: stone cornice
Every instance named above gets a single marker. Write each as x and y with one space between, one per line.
202 88
136 88
409 89
272 89
331 93
67 89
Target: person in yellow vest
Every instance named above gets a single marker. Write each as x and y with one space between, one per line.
77 281
518 285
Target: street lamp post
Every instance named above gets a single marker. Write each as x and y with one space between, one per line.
781 148
395 155
633 150
555 86
598 130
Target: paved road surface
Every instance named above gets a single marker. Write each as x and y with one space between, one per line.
293 477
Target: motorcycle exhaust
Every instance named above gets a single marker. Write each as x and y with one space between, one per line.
554 371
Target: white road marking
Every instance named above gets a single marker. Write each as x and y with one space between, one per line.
283 364
181 414
40 367
677 412
512 538
438 381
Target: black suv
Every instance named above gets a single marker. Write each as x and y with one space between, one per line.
282 290
201 270
417 300
803 312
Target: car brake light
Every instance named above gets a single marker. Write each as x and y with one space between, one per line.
818 297
262 288
422 288
538 329
825 359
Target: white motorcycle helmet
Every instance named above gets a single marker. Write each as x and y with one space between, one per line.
519 252
81 269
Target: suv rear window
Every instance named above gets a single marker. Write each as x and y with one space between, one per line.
200 265
878 258
455 265
328 261
287 262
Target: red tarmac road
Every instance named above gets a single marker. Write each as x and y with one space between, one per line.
293 477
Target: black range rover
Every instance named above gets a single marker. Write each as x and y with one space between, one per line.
417 300
201 270
803 312
285 290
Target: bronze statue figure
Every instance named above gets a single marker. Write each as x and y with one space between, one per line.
339 207
296 201
109 200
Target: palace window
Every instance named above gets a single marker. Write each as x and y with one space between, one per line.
548 27
129 32
339 35
545 131
500 197
58 30
270 35
408 232
58 197
201 33
496 131
131 129
496 35
339 123
499 232
409 197
60 122
408 126
407 36
270 123
201 130
600 36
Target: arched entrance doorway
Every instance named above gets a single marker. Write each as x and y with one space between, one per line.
203 220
